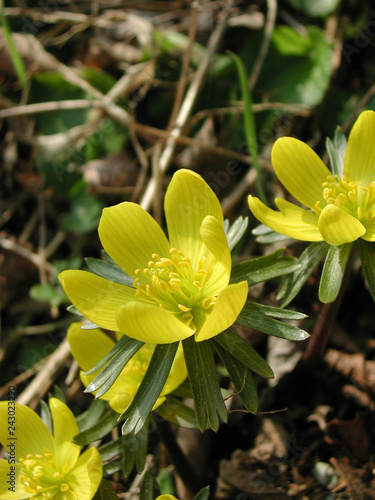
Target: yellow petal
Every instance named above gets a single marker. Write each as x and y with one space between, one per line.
214 238
292 221
166 497
96 298
188 200
338 227
370 230
27 441
121 401
149 323
300 170
359 161
64 429
85 477
229 304
88 347
130 236
10 471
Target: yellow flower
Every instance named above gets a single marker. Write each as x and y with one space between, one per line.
342 209
41 465
180 284
90 346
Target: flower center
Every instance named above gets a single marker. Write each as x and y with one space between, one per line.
42 478
343 193
173 285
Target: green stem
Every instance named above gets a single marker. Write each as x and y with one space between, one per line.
184 469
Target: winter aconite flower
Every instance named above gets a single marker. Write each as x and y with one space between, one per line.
45 466
342 209
90 346
180 284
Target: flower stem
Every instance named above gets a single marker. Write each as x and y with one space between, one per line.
323 328
184 469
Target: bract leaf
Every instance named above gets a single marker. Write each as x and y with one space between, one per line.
108 271
308 261
178 413
135 450
253 317
209 404
336 151
264 268
366 250
333 272
105 492
242 379
105 379
235 232
97 431
241 350
150 388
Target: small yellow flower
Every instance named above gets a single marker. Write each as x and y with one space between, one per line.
180 284
90 346
45 466
342 209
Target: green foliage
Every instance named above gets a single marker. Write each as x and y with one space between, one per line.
366 252
333 272
235 232
150 388
336 151
208 401
109 271
264 268
298 67
105 492
318 8
85 213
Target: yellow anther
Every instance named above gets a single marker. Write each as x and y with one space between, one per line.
183 308
64 487
155 256
151 263
183 263
359 212
352 196
198 284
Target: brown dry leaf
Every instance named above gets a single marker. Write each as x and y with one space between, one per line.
357 481
353 434
115 170
353 366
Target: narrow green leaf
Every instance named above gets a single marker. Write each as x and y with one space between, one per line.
111 450
242 379
253 317
12 49
241 350
249 122
150 388
109 271
209 404
308 261
105 492
336 151
105 379
148 485
45 414
123 343
92 415
266 235
203 494
366 250
111 467
235 232
99 430
264 268
333 272
275 312
135 450
176 412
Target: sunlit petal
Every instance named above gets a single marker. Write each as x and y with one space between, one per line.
292 221
64 429
85 478
360 154
98 299
188 200
149 323
228 306
300 170
338 227
130 236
